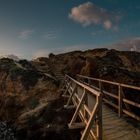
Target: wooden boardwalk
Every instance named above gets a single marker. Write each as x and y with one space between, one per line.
110 126
116 128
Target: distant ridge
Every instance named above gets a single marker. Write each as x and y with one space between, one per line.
11 56
127 45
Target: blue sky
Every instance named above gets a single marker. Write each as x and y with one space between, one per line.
32 28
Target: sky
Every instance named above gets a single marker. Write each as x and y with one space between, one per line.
34 28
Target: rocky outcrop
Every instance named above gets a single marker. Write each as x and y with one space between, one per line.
30 99
6 132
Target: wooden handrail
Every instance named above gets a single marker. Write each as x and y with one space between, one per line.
109 82
84 86
120 97
89 114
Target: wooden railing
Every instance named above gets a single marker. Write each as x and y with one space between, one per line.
118 99
90 112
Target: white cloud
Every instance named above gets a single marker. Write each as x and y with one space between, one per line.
25 34
88 13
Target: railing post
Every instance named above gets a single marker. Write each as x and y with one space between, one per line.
99 122
120 100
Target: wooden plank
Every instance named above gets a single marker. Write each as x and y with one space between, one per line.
69 100
90 123
99 117
91 90
110 103
114 96
110 94
109 82
87 110
96 79
67 88
131 103
116 122
130 86
131 114
77 97
85 121
120 101
93 135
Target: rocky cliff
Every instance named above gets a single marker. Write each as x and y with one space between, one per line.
30 100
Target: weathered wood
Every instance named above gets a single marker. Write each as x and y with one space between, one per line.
120 97
110 94
69 100
110 82
87 110
91 90
78 108
67 89
115 128
131 114
99 116
131 103
77 97
90 123
110 103
120 101
87 116
96 79
130 86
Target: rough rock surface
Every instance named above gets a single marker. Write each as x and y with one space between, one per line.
6 132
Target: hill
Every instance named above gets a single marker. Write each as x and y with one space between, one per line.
128 45
30 99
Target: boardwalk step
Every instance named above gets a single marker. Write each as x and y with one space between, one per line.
119 135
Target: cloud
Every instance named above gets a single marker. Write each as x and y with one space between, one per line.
88 14
26 34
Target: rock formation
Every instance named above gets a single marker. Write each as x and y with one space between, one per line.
30 100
